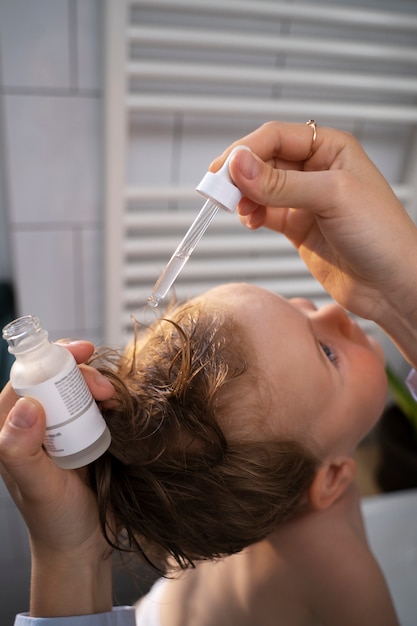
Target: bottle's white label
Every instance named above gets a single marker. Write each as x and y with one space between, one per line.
73 419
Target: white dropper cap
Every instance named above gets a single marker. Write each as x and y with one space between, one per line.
219 188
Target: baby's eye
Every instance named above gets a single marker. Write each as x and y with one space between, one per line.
329 353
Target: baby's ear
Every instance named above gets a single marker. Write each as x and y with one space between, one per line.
330 481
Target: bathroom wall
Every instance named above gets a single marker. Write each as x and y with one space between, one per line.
51 97
51 89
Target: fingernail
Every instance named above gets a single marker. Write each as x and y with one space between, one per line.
248 165
103 382
24 414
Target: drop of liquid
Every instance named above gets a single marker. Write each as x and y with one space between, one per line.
153 301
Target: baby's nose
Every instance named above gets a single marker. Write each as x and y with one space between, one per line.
335 317
303 304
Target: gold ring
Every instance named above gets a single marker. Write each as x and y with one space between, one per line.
313 125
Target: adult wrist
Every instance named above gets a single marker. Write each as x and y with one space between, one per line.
400 324
64 586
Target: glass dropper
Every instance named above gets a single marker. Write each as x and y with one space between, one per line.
183 252
220 193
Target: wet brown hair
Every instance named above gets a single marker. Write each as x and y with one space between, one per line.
178 480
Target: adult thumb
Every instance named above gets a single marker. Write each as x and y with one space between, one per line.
266 185
21 438
256 179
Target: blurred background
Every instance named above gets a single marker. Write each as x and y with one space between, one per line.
110 113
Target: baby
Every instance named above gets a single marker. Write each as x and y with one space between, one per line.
236 419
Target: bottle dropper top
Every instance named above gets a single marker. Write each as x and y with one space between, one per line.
220 192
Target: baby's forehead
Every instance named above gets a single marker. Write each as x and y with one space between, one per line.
226 290
233 296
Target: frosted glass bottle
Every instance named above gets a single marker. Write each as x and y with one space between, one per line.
76 433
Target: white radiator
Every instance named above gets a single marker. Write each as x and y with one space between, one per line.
184 78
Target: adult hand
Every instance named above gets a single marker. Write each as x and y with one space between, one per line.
340 213
71 571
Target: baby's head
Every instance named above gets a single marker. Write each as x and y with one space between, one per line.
222 421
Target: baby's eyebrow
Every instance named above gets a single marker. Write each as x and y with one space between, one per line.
321 354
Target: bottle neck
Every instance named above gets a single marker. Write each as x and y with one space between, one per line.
25 334
29 343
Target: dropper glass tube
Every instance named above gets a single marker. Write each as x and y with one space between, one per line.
183 252
220 193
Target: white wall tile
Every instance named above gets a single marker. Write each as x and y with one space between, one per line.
34 39
90 27
54 150
5 265
89 273
44 269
